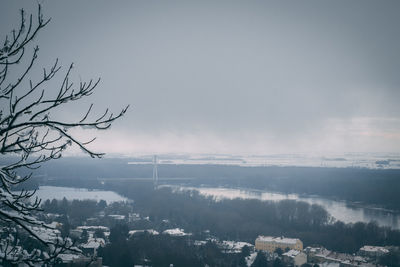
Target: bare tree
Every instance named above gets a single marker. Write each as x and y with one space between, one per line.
30 133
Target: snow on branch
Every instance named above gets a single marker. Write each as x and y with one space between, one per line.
29 131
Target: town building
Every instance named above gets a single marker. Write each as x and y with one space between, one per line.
294 257
372 251
270 244
325 257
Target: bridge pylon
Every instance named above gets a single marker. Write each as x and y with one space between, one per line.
155 171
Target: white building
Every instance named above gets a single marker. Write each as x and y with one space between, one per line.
295 257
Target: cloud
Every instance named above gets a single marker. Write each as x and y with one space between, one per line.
252 77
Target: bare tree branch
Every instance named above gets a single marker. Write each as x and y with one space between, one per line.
29 131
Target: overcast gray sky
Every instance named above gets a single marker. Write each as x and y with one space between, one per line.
232 76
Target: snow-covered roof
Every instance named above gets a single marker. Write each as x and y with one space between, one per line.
291 253
329 264
117 216
52 215
53 224
93 228
199 242
281 240
94 243
176 232
250 259
323 253
359 259
234 246
150 231
313 250
374 249
47 234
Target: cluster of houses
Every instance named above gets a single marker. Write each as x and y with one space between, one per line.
93 235
295 255
292 251
87 237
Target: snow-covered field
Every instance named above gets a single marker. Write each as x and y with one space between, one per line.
360 160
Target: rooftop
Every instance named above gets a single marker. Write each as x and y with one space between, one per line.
175 232
234 246
150 231
374 249
93 228
291 253
282 240
94 243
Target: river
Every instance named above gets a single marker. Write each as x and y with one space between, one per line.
57 192
340 210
